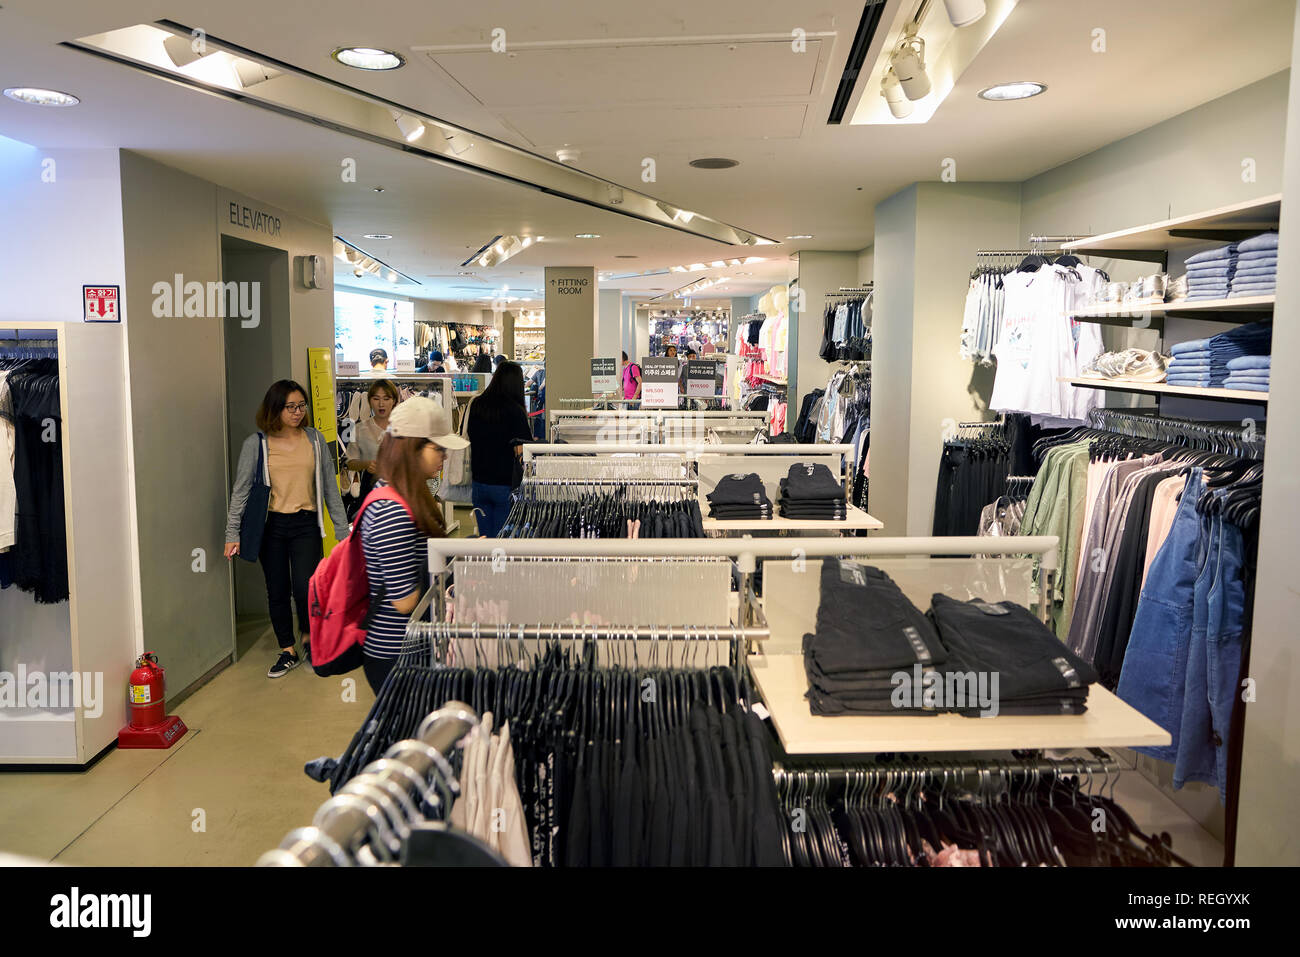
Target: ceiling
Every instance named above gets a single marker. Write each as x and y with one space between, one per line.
622 82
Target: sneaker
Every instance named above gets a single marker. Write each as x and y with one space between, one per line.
285 663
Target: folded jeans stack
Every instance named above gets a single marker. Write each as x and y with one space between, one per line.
1204 362
1036 673
1209 274
867 632
739 497
1250 373
811 491
1256 273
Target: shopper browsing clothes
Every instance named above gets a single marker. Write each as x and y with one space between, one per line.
498 423
412 453
631 379
284 483
483 364
383 398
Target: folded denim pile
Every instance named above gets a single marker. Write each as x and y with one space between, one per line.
1256 273
811 491
1132 365
1248 372
739 497
1204 362
1209 274
875 653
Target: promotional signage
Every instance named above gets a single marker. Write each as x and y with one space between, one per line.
604 376
405 365
659 382
349 368
100 303
701 378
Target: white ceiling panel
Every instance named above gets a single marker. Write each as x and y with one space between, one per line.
551 129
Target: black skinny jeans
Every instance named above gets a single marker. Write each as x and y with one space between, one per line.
377 670
291 550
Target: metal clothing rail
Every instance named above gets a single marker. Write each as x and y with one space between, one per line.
684 449
365 820
1099 762
1207 435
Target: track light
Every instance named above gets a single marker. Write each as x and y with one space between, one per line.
908 64
180 50
899 105
411 128
251 73
962 13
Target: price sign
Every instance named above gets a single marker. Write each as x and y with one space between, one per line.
604 375
659 382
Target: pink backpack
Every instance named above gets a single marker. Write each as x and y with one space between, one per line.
338 598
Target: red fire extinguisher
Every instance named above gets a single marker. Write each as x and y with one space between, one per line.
148 725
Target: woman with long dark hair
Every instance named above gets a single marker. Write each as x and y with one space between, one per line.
412 453
498 425
383 398
289 465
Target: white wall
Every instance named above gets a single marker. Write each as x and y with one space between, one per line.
1270 776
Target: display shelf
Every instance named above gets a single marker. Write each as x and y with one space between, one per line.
1254 215
1238 309
1160 388
773 379
1108 723
855 519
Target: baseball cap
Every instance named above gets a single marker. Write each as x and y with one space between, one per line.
422 418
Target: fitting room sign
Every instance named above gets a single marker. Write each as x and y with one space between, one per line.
659 382
604 375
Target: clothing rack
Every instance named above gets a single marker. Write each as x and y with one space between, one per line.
1099 762
851 291
368 820
1201 435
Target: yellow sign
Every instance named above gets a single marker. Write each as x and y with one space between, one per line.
320 363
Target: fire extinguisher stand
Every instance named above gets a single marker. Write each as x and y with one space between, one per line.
149 726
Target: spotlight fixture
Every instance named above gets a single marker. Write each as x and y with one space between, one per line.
411 128
908 63
378 236
567 155
358 272
1020 90
367 58
377 189
899 105
615 194
250 73
962 13
35 96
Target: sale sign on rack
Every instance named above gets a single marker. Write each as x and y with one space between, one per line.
101 303
659 382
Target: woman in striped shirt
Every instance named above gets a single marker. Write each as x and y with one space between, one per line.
412 452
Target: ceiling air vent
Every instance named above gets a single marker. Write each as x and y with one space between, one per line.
867 27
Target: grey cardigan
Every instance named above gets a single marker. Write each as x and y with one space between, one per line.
325 480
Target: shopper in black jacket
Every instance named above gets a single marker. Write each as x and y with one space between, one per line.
498 424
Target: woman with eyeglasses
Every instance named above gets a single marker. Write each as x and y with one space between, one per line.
285 533
394 522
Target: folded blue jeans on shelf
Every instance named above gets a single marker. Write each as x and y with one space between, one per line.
1262 256
1246 386
1209 255
1256 243
1250 362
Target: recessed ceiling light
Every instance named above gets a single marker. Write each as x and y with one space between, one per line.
714 162
368 58
1020 90
587 236
378 236
377 189
35 96
801 236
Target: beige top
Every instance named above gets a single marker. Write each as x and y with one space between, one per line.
293 472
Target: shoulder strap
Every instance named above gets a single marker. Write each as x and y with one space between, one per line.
464 419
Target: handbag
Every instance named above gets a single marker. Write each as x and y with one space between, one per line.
253 522
456 466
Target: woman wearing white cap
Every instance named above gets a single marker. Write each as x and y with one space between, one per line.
411 453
